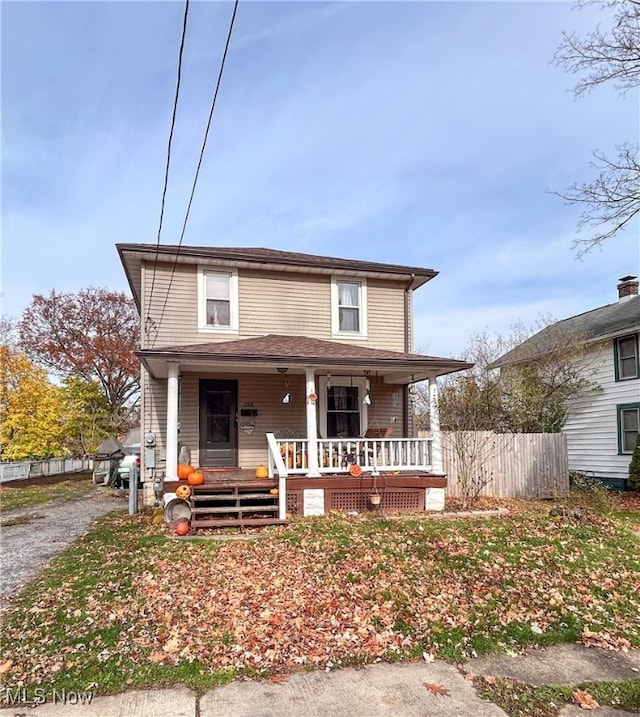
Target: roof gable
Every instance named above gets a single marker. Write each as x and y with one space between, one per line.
595 325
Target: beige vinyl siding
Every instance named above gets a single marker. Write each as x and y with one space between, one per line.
179 324
386 407
282 303
264 392
269 303
153 417
386 315
591 428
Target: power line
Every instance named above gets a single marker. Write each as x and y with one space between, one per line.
204 144
148 320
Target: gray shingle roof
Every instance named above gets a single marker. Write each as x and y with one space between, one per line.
610 320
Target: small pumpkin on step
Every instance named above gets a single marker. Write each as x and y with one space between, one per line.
196 478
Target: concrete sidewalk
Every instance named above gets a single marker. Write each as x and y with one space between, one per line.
382 690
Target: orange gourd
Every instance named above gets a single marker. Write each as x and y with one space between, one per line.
274 491
262 472
184 471
355 470
183 491
183 528
196 478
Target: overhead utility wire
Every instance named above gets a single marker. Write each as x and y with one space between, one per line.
166 172
204 144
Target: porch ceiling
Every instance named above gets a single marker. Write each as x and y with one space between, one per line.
265 354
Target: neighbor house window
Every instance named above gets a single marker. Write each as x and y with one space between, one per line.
628 426
349 307
218 301
626 355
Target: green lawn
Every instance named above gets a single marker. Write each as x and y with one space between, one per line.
128 605
17 496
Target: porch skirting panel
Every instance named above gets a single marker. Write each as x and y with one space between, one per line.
317 496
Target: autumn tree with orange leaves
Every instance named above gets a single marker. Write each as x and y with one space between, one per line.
91 335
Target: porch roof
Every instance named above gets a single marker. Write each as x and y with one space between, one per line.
273 351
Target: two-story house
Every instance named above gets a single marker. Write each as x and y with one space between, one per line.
297 362
603 421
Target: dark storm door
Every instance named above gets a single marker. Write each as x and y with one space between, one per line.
218 424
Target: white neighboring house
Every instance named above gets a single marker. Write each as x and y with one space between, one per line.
602 424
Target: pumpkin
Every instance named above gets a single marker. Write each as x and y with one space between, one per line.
183 491
196 478
262 472
183 528
184 471
274 491
355 470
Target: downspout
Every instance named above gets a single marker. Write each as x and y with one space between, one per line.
408 423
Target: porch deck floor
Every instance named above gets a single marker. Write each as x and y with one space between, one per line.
246 477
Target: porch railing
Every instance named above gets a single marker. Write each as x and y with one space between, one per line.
277 465
336 455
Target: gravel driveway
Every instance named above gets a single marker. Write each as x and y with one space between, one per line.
49 528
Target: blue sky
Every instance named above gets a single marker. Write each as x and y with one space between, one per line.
421 133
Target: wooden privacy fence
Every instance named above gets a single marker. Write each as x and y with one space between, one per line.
514 465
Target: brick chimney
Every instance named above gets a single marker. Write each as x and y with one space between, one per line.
627 287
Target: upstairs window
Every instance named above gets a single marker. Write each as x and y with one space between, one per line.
626 356
349 308
218 301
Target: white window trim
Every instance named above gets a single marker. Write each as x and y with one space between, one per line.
361 383
203 327
335 313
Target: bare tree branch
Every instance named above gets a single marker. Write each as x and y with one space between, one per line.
605 56
611 201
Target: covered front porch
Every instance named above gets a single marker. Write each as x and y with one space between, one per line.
325 419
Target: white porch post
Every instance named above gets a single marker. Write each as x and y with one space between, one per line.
312 424
171 469
434 425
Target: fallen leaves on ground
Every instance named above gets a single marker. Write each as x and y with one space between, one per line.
584 700
326 592
437 689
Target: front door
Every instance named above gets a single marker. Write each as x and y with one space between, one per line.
218 432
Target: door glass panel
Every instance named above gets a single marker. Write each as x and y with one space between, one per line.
218 424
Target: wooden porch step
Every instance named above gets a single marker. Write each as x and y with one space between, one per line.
235 522
232 496
234 504
234 485
234 509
